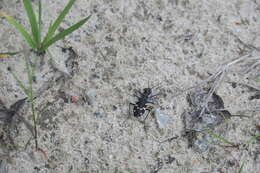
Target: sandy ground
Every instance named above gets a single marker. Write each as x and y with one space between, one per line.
83 123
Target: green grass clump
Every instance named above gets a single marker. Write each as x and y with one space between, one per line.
34 40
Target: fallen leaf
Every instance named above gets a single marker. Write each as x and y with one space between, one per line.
5 54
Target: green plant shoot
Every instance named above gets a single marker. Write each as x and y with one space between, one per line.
34 40
28 90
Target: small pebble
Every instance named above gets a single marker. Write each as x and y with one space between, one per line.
162 119
74 99
99 114
91 96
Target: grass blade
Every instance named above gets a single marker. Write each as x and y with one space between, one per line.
5 54
58 21
20 83
33 21
253 138
40 19
20 28
241 167
64 33
219 137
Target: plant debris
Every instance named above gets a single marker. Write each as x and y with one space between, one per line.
194 122
214 114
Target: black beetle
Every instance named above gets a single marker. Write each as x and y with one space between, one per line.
144 103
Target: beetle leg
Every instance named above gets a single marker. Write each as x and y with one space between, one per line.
150 108
140 93
154 95
146 116
148 113
136 96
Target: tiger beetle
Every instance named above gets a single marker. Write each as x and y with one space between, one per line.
145 103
